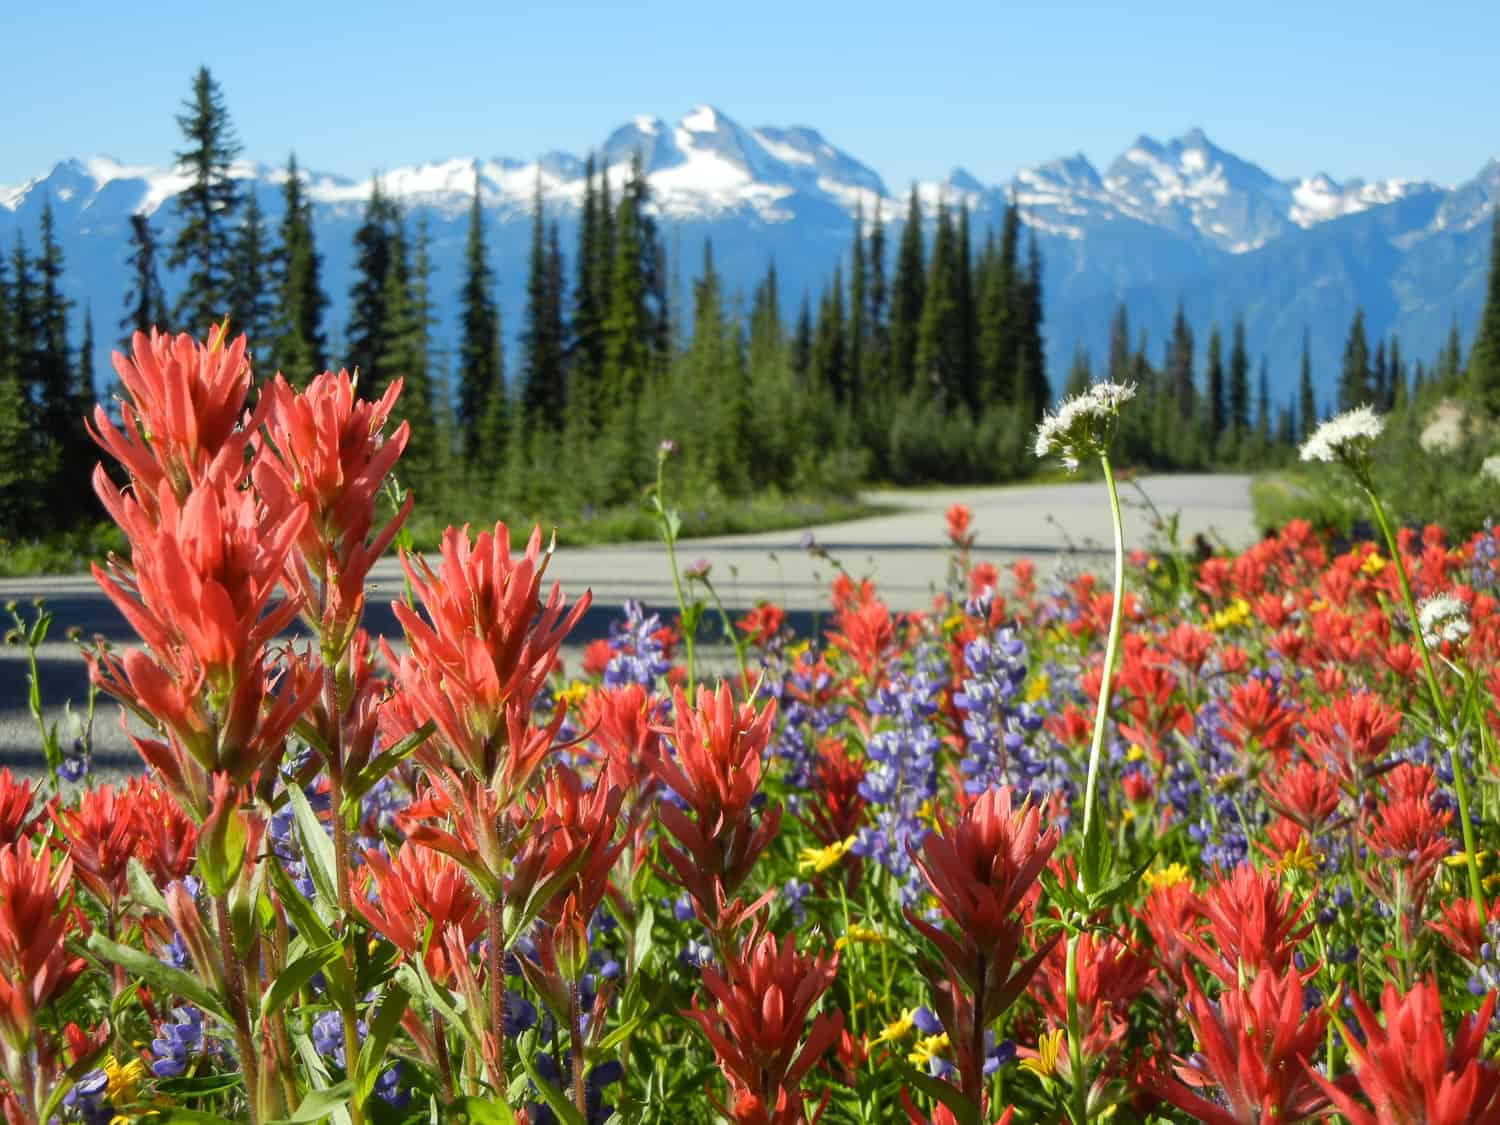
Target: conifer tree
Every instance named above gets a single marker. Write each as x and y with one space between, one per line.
299 349
425 455
145 302
766 336
542 394
1179 367
586 346
627 324
1239 382
27 456
368 296
800 359
1396 375
1215 382
251 305
859 284
997 313
937 365
1484 360
482 402
1263 404
84 392
966 352
877 359
1379 378
1119 346
207 207
1450 362
908 289
400 340
1033 390
829 357
1307 407
1354 380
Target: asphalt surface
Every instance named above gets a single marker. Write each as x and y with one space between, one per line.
905 551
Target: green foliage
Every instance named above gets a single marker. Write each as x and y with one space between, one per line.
298 349
1484 360
207 206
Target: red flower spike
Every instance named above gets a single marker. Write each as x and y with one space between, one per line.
942 1115
184 409
865 635
716 773
475 669
1305 794
167 839
763 624
419 896
1252 924
1408 838
836 809
35 919
1110 975
958 518
621 722
763 997
1409 1072
101 830
1173 916
324 448
1255 713
17 817
1253 1047
1351 735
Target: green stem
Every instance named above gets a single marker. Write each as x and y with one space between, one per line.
740 645
234 975
671 540
1117 613
1079 1090
1439 705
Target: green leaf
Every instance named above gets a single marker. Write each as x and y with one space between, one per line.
290 980
556 1100
303 914
641 942
482 1112
372 1051
367 778
318 1104
142 889
185 1116
951 1096
317 847
199 1085
162 978
1096 856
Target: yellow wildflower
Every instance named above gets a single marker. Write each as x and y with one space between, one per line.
953 620
819 860
1048 1052
927 1049
864 935
1152 565
1373 564
1168 876
1301 858
898 1028
1136 753
795 651
1037 688
574 694
123 1080
1235 614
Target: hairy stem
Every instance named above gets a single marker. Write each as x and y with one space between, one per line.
670 537
234 975
1112 644
496 940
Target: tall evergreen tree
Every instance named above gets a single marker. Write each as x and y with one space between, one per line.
1354 380
586 346
368 297
60 409
145 301
800 360
859 284
1484 360
628 319
84 392
482 402
542 393
877 359
1079 373
426 453
299 348
1450 362
1215 383
1119 346
966 351
937 363
1239 381
1380 386
767 340
1035 393
207 207
829 356
908 288
1396 374
999 311
400 341
1263 404
1307 407
1179 367
252 307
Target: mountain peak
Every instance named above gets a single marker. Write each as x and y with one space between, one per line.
704 118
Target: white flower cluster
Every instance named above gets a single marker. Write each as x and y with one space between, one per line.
1442 617
1490 469
1350 433
1081 426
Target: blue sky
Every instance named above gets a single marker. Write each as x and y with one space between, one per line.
1372 89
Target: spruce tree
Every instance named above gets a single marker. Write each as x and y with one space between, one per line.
1396 375
145 301
1179 367
586 344
907 292
997 312
936 372
56 387
627 323
482 402
207 207
1380 387
1215 381
1484 360
877 359
1034 392
425 457
859 284
542 375
966 352
252 307
368 296
1307 407
800 359
84 391
1119 346
1450 362
400 340
1263 404
1239 382
829 356
298 349
1354 380
766 336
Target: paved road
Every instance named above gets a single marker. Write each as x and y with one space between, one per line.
904 551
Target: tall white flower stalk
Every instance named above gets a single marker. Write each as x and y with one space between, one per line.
1348 440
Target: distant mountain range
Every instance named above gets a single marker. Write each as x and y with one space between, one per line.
1166 222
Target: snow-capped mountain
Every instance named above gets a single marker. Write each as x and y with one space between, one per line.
1180 220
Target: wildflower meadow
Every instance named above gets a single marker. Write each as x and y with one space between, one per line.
1201 839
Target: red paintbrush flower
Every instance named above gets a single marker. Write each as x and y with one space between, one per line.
763 996
166 838
866 636
101 831
836 808
958 518
490 646
324 449
1408 838
17 817
35 918
1460 926
622 722
1253 926
762 625
1173 916
1305 794
1187 645
1254 714
418 896
344 740
942 1115
198 592
716 772
183 410
1110 975
1253 1047
1351 735
1409 1072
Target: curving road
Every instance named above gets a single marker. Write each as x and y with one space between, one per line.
903 550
